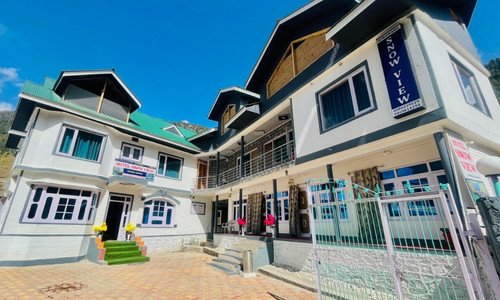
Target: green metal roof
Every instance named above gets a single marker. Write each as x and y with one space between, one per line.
138 120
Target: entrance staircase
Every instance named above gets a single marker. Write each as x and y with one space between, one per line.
118 252
231 260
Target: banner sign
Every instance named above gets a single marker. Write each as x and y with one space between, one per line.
122 168
401 85
464 158
467 166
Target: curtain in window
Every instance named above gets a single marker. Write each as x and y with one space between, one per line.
173 167
369 224
254 213
87 146
66 141
294 223
361 90
337 105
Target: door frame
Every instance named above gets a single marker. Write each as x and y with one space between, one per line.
126 214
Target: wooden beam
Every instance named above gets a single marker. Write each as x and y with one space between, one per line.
102 97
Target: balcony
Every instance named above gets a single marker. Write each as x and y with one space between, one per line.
275 159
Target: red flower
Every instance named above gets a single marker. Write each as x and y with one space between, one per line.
270 220
242 222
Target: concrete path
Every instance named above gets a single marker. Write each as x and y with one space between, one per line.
183 275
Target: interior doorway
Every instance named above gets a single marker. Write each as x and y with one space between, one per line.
117 215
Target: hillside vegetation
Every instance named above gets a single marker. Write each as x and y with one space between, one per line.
6 155
494 67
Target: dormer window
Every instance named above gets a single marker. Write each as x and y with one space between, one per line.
299 55
173 129
100 91
226 116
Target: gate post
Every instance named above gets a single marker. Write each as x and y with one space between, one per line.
313 233
396 274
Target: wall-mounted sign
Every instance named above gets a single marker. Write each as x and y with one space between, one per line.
198 208
401 85
122 168
467 166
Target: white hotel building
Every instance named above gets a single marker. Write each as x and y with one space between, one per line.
373 92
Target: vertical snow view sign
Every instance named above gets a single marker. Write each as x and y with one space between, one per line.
403 91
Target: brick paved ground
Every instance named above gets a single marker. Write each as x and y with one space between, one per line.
167 276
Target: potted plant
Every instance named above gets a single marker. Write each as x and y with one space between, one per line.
242 224
100 229
129 229
270 221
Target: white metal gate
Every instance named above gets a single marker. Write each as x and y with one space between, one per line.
402 244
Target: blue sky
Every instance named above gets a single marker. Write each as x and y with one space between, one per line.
175 55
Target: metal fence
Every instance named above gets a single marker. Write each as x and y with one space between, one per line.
396 245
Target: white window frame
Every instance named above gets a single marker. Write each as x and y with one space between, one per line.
167 156
89 212
354 99
399 184
168 205
131 157
474 87
73 142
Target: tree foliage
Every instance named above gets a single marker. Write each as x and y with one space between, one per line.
494 67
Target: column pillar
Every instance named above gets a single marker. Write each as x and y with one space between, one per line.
275 208
440 140
240 208
214 229
331 187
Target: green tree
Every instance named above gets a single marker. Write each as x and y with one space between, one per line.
494 67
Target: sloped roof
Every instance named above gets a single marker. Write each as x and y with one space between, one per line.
138 121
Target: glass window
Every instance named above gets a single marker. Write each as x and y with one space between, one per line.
158 213
346 99
79 143
60 205
469 88
169 166
384 175
422 208
436 165
131 152
394 210
412 170
343 212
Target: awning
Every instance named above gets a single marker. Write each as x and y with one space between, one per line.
244 117
62 183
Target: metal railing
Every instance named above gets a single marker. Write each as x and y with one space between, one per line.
274 158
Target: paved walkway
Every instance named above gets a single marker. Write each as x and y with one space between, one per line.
182 275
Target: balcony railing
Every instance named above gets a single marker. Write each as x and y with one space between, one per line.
274 158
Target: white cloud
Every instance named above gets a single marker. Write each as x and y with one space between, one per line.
6 106
8 76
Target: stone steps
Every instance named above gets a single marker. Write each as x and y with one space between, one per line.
231 259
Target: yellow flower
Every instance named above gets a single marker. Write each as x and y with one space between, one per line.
130 228
100 228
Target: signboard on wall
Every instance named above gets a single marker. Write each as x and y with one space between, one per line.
401 84
198 208
122 168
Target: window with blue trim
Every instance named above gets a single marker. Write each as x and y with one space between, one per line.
158 213
169 166
80 144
